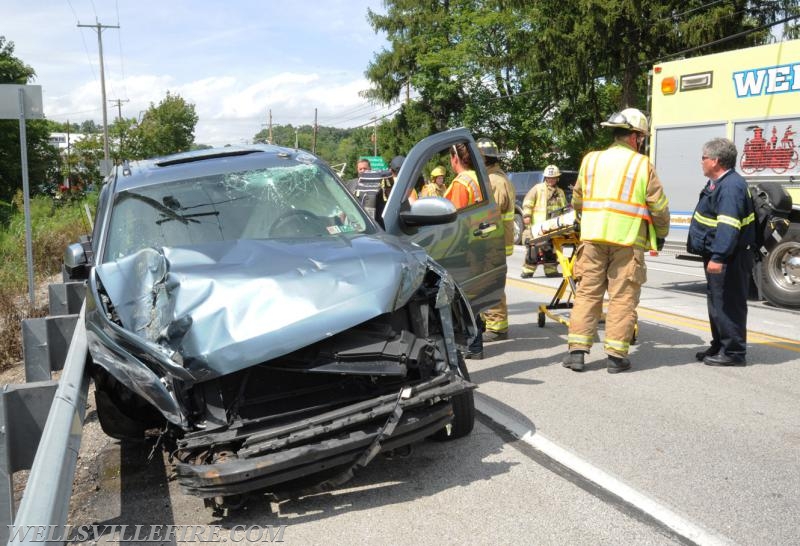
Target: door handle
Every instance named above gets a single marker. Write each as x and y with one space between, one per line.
484 229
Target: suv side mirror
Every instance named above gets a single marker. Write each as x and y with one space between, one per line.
77 260
429 211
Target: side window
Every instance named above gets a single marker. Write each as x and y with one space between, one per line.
463 182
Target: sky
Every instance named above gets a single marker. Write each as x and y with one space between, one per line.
235 60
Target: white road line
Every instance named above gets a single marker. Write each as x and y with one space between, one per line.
677 523
675 271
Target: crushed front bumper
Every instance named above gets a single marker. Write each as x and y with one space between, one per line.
344 438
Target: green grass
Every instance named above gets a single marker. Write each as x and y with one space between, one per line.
53 227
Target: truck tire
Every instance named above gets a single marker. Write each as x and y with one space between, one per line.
780 271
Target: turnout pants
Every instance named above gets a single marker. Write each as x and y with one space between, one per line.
727 303
598 268
496 318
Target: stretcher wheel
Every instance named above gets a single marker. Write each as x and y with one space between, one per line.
541 319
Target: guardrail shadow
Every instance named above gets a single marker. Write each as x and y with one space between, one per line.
144 501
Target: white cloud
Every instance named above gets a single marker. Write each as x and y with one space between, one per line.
233 61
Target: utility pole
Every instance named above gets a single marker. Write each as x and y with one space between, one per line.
314 140
99 28
375 137
270 127
121 126
67 182
119 106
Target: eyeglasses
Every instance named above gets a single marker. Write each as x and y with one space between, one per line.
703 158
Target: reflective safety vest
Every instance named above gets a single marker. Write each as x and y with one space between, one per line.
469 181
542 202
614 203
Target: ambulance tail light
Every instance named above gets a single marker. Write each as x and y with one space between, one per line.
668 86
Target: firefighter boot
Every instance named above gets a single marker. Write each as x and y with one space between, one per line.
574 361
493 335
617 364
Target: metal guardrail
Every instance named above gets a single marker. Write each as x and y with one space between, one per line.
41 421
49 488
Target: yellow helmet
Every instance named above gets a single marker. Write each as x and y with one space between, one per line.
488 148
629 118
551 171
437 171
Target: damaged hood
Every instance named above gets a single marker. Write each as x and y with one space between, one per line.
226 306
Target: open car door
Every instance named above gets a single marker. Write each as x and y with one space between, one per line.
470 247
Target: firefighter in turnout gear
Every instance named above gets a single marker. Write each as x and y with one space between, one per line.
434 188
623 211
542 201
496 318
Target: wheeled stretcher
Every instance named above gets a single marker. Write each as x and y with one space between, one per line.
555 241
561 232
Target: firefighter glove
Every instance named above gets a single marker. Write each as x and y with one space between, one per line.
659 243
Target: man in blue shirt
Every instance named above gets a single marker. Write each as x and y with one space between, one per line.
722 231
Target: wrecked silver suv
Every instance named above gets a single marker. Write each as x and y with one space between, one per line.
242 307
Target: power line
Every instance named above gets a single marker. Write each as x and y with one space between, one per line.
121 54
720 41
370 122
352 111
53 116
83 40
698 8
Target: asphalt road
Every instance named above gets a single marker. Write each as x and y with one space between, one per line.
671 452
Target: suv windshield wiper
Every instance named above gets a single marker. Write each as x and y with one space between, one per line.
186 218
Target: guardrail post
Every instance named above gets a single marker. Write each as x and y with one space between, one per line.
23 412
66 298
45 341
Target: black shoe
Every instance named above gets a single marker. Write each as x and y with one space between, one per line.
617 364
478 355
526 275
491 335
724 360
700 355
574 361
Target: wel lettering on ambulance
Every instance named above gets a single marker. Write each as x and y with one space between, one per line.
767 81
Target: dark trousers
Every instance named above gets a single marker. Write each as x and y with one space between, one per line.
726 294
477 343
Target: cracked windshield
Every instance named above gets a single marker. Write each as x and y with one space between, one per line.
298 201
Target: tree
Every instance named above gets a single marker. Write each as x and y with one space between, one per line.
89 127
123 139
84 168
42 157
165 129
538 77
